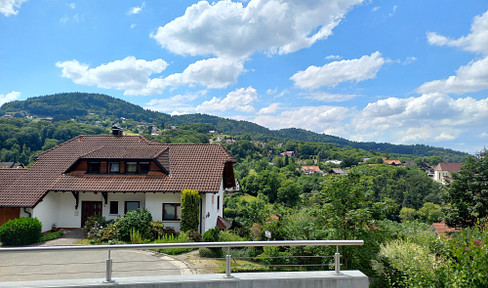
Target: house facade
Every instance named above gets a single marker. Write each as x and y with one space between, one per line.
443 170
110 175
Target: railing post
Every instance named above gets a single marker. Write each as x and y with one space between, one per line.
228 268
108 269
337 263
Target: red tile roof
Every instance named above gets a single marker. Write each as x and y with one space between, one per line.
440 228
193 166
449 166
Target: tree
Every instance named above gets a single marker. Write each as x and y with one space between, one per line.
467 194
289 193
190 201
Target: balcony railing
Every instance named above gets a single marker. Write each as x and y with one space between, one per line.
228 245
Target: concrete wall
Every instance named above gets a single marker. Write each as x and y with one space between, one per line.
323 279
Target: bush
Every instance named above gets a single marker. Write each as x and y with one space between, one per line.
157 229
94 226
111 232
229 236
139 219
190 206
194 236
170 238
205 252
21 231
212 235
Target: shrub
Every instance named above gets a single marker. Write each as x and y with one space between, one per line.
21 231
205 252
406 264
135 236
170 238
157 229
211 235
229 236
194 236
51 236
111 232
139 219
190 202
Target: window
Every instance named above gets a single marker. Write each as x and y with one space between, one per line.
114 207
218 202
131 205
93 167
171 211
131 167
114 167
143 167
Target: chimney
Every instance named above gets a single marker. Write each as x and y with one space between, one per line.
117 131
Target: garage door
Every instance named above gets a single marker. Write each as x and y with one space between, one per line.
8 213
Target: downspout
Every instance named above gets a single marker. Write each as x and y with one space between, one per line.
28 213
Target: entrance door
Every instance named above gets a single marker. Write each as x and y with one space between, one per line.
90 208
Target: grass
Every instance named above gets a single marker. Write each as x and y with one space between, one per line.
51 236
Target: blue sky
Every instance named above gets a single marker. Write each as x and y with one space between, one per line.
410 72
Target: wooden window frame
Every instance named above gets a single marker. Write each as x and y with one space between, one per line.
125 205
176 205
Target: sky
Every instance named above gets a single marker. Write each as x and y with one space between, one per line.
402 72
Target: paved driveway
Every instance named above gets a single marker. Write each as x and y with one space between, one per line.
46 265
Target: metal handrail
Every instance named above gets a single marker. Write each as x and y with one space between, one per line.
228 245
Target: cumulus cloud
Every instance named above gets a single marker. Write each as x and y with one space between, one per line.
9 97
271 109
315 118
336 72
476 41
226 28
212 73
428 117
470 78
129 74
10 7
239 99
176 105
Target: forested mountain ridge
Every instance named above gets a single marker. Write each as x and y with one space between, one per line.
101 110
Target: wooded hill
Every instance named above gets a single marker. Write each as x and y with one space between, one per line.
102 110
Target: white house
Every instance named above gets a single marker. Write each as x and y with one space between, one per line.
109 175
443 170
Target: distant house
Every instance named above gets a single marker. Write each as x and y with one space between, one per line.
392 162
337 171
443 170
309 170
109 175
288 153
440 228
11 165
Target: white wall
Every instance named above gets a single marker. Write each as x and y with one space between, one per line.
211 211
154 204
46 211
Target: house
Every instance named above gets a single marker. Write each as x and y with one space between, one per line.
440 228
309 170
12 165
288 153
110 175
392 162
443 170
337 171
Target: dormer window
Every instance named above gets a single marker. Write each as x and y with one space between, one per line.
114 167
93 167
131 167
143 167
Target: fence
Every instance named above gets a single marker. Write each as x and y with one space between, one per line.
228 245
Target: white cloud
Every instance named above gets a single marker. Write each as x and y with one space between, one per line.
271 109
10 7
71 5
226 28
212 73
470 78
129 74
136 10
336 72
239 99
333 57
315 118
176 105
476 41
329 97
12 96
429 117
